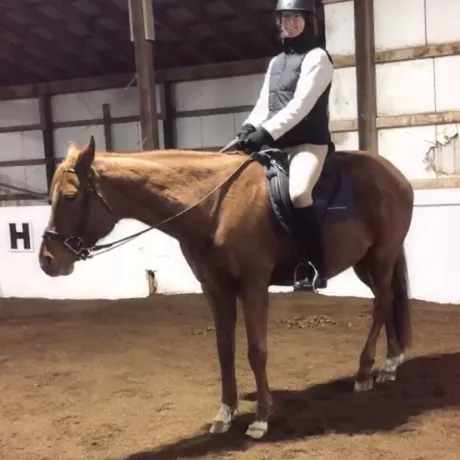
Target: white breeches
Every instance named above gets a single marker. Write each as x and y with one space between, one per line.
305 165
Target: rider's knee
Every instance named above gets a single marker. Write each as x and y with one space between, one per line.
301 200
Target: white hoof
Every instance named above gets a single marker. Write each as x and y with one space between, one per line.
223 420
384 376
388 372
364 386
257 430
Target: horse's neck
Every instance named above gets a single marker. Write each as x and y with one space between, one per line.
153 188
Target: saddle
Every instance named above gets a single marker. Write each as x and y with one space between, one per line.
333 196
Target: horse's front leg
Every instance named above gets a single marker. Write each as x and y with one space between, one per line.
254 298
223 306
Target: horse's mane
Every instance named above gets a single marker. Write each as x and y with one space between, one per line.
176 154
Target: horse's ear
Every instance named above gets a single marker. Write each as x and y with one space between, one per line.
72 148
86 156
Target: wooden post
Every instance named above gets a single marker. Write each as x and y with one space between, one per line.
46 122
143 35
167 114
319 9
106 116
365 75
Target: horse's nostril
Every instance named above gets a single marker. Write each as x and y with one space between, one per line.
48 260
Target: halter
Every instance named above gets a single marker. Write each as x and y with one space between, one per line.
75 242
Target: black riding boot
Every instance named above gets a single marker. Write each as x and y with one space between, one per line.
311 235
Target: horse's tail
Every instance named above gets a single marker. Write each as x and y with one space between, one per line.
401 304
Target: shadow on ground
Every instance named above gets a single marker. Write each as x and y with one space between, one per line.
424 384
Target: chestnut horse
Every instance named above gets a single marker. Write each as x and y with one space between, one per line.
216 205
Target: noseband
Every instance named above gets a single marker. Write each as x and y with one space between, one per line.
75 242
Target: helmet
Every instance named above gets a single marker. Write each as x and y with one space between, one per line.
307 6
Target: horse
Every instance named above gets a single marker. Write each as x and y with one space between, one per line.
228 212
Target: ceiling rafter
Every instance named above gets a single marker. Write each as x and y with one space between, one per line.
73 17
219 29
60 32
60 40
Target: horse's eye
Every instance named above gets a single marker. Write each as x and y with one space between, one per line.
70 197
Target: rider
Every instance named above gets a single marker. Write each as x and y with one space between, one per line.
292 114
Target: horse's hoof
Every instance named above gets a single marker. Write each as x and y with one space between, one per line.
219 427
223 420
257 430
388 372
364 385
385 376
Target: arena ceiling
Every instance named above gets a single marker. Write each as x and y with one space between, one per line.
49 40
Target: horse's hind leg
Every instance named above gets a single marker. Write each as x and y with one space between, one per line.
388 282
376 272
398 322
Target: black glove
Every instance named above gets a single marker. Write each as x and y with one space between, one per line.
244 131
256 140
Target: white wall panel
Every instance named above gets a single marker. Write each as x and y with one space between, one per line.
161 137
87 105
217 130
405 87
31 178
13 175
32 145
188 133
35 178
126 137
399 23
207 131
340 27
19 112
346 141
25 145
407 149
445 155
80 135
442 21
342 102
217 93
447 83
240 118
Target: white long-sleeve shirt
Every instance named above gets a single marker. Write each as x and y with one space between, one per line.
315 75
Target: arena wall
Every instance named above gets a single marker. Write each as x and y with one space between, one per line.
417 44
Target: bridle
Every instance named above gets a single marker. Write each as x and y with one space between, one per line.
75 243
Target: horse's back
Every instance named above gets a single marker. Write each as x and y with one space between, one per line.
374 175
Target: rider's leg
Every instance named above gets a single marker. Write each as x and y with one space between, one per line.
306 164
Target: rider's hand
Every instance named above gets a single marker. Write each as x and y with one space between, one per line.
245 131
256 140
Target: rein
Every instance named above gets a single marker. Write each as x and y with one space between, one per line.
76 244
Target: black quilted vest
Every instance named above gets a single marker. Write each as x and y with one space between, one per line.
314 128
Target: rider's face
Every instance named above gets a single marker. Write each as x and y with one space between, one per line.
292 24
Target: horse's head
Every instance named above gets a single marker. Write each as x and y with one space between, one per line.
80 215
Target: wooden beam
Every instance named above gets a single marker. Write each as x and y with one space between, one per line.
220 70
106 116
167 115
320 22
365 75
141 21
46 123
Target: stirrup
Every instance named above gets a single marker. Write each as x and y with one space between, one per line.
315 276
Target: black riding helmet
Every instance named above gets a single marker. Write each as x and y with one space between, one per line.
306 6
307 38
